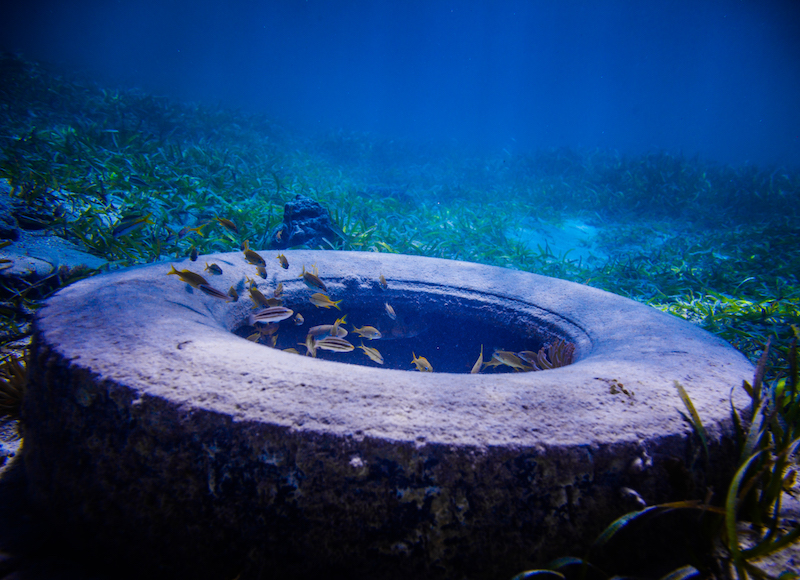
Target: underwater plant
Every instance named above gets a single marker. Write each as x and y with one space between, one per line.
739 529
13 376
557 354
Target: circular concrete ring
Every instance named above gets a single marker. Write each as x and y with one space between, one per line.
151 428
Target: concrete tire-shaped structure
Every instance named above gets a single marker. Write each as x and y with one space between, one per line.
159 436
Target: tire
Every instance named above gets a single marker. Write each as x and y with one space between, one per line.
153 427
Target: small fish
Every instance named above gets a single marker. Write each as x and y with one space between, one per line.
324 330
337 330
211 291
258 298
268 329
321 301
193 253
313 281
228 225
214 269
422 363
510 359
274 301
528 356
254 258
192 279
372 353
408 327
334 344
233 294
390 311
273 340
271 314
298 319
476 368
284 262
368 332
311 346
321 331
278 290
130 224
383 283
261 271
291 350
255 337
493 362
185 231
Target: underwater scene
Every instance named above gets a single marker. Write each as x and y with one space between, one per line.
131 178
647 150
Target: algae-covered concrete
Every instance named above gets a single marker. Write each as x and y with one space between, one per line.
152 431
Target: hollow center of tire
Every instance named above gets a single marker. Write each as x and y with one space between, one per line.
450 336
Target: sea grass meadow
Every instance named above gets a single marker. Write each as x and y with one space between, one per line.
712 243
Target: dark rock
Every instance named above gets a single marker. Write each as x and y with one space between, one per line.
36 264
16 213
36 255
305 223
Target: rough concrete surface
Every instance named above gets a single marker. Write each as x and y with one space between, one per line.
165 441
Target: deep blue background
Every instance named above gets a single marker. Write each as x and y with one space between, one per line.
715 78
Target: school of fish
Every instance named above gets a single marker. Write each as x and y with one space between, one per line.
270 313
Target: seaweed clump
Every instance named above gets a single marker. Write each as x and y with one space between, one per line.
557 354
735 534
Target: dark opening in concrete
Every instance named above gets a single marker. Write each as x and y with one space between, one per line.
449 331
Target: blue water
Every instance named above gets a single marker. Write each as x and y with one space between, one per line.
720 79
